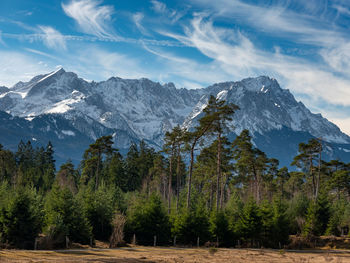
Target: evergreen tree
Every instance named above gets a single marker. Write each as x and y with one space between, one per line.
64 217
218 113
67 176
251 163
116 172
189 225
219 228
250 222
7 165
134 179
95 155
20 218
307 159
148 218
99 208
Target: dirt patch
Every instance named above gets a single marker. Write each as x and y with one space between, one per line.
174 255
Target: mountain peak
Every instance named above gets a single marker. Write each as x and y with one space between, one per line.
140 109
260 84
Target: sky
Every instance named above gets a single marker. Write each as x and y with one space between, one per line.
305 45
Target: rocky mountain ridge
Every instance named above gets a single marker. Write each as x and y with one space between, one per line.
140 109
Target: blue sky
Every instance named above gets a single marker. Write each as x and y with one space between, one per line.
305 45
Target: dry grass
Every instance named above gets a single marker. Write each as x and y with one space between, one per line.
150 254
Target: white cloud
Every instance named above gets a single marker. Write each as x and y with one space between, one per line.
341 9
338 57
239 58
91 17
137 18
171 14
159 7
19 67
187 72
99 64
41 53
52 38
344 124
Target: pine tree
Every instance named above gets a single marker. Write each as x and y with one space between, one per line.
94 155
147 218
251 163
63 212
218 113
309 155
250 222
20 218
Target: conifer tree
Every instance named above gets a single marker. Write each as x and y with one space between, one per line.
219 113
307 159
21 218
94 155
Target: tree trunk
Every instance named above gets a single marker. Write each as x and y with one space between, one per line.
218 172
211 195
190 174
98 169
311 168
223 192
170 177
319 170
178 178
164 186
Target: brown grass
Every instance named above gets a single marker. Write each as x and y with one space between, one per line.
176 255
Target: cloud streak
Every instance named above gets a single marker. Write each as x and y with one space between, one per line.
91 17
17 66
52 38
238 57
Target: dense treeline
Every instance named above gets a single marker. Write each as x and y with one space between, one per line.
227 193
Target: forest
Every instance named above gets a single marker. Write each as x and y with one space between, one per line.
199 189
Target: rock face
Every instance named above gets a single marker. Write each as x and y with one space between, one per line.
66 109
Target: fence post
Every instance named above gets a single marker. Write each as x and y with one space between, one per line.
36 244
174 241
155 241
67 242
134 239
197 241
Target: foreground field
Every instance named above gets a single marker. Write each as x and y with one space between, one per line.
150 254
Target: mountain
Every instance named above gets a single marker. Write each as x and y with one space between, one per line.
72 112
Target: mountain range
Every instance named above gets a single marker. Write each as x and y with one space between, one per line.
72 112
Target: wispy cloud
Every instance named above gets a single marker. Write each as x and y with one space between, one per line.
1 40
17 66
137 18
159 7
187 72
99 64
338 57
34 51
52 38
238 57
91 17
342 10
171 14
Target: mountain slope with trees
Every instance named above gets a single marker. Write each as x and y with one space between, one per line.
231 194
63 108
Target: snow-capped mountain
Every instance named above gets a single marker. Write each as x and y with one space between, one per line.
265 106
64 108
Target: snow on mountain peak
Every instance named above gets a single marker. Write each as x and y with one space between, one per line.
143 109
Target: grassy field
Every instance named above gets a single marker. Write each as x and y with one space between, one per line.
150 254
